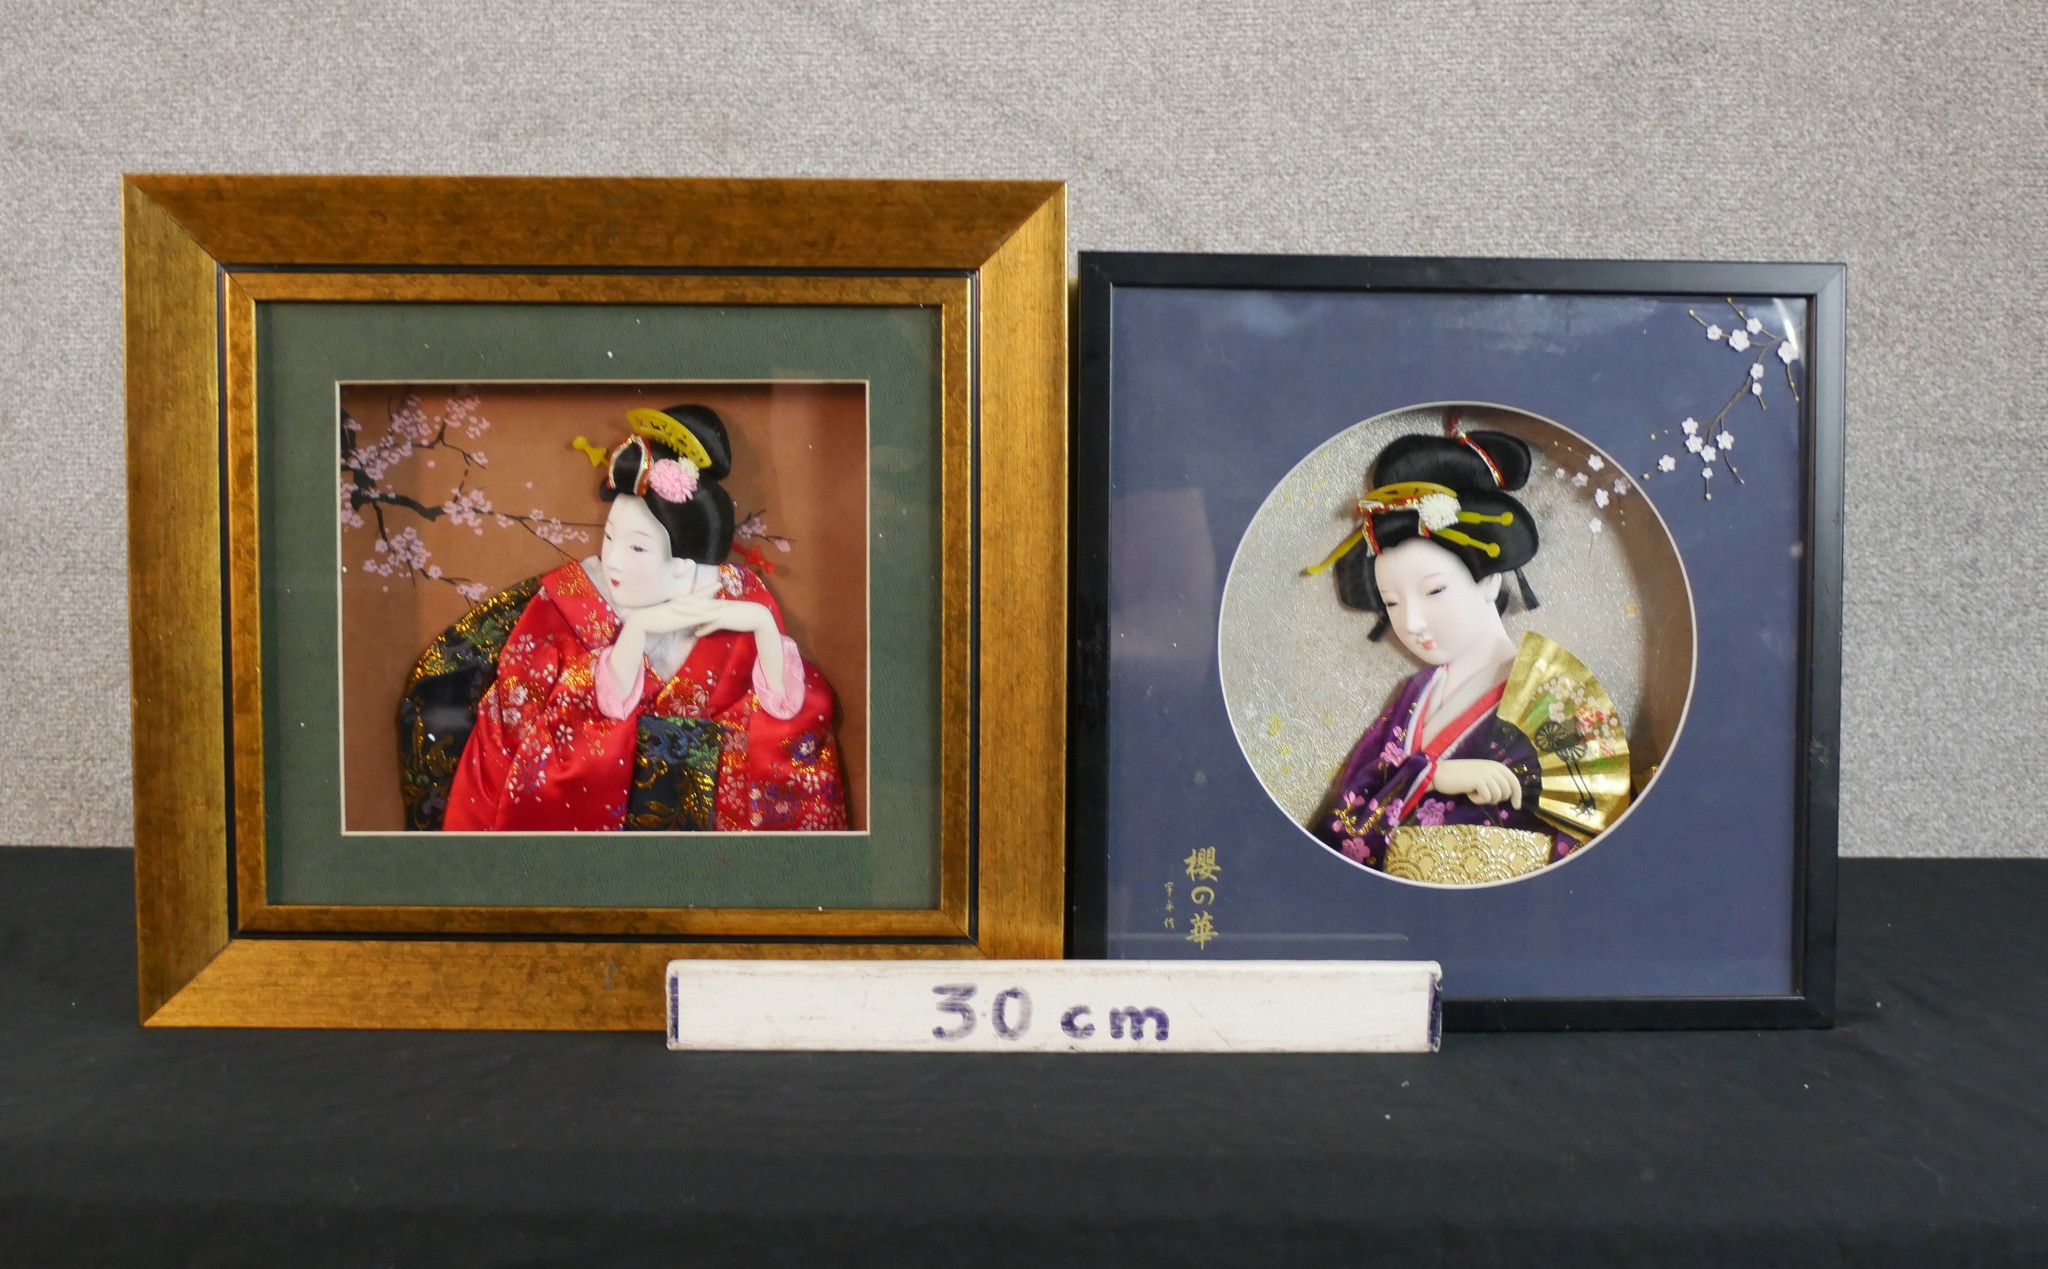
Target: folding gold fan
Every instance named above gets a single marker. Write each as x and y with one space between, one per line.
1581 748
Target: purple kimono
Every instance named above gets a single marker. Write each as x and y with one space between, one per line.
1385 783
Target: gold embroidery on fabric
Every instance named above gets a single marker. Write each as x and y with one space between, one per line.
485 626
1464 854
668 768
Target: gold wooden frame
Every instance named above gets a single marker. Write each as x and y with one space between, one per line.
201 252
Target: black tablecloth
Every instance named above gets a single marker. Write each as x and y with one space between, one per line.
1911 1134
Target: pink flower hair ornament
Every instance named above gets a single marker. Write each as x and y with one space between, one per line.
674 481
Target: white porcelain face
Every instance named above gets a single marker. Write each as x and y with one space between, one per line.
637 563
1434 607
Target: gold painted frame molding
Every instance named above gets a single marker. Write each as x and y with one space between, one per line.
201 252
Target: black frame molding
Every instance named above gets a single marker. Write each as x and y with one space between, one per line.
1814 853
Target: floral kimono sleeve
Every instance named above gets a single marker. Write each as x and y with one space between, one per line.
791 773
527 672
781 773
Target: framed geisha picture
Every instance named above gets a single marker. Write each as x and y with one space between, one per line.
1477 611
539 580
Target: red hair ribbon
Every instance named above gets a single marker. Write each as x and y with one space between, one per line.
1456 432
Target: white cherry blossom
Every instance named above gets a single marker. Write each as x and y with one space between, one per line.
1714 332
1600 497
1595 462
1787 353
1706 473
1738 340
1725 440
1667 463
1757 371
1579 481
1595 525
1708 455
1754 327
1620 485
1690 426
1693 443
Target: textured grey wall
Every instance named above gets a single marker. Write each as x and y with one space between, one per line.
1907 140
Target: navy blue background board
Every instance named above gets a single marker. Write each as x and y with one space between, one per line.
1215 393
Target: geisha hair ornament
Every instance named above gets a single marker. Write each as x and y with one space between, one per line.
641 475
1437 514
657 426
1455 429
674 481
1458 434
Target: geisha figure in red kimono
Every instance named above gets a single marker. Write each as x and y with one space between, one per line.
1499 756
649 687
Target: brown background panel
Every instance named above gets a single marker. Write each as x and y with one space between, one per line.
799 456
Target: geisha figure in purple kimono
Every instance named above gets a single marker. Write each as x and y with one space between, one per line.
1442 787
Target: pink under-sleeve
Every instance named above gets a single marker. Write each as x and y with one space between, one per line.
791 699
610 701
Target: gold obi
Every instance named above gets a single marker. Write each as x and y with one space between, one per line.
1464 854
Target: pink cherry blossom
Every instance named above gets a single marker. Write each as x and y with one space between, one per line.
467 508
350 517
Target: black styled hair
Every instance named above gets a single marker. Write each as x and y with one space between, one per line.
1460 467
700 528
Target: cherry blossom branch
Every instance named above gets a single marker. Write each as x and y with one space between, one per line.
365 466
1717 440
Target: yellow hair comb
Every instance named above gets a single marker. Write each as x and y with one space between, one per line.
1437 513
656 426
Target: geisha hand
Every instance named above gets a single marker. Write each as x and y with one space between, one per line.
684 612
702 614
1483 780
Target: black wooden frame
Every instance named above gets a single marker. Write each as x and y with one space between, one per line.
1814 849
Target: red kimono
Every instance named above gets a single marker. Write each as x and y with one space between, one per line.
546 758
